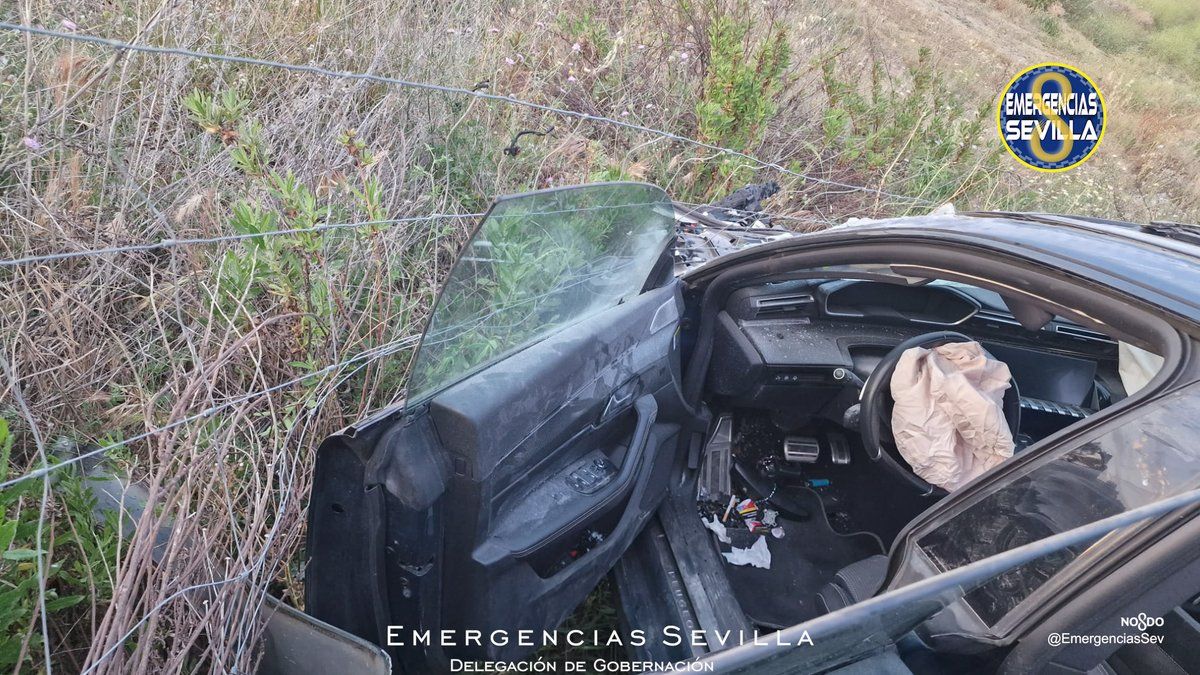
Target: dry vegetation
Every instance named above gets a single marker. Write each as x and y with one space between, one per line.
163 353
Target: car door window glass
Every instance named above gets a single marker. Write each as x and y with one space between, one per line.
538 263
1153 455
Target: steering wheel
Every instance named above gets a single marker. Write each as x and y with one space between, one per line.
875 418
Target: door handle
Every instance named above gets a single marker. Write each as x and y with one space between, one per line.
618 399
646 409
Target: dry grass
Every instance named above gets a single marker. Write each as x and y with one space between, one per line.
98 150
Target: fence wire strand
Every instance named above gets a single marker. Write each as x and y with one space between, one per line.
325 227
370 354
171 243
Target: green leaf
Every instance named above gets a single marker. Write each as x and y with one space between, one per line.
20 554
8 531
64 602
10 649
5 448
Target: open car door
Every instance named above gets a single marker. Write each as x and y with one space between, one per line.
542 419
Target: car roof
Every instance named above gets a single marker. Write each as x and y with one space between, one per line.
1182 238
1133 259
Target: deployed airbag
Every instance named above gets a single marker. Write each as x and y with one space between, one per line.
1136 366
948 417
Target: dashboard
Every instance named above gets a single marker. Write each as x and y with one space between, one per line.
777 347
775 337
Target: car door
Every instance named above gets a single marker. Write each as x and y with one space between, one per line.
542 419
1135 457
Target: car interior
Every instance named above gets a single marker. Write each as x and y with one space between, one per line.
797 386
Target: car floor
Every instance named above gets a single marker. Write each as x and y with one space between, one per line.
831 516
864 495
806 558
859 496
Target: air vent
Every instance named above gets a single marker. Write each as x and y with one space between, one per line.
997 317
1083 334
782 304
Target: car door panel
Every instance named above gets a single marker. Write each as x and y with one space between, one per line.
489 425
527 490
504 450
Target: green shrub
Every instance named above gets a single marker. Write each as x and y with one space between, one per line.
1072 8
78 554
739 93
1114 33
742 83
1050 25
1179 45
924 142
589 30
1168 13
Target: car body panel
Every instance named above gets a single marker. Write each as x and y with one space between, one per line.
1147 267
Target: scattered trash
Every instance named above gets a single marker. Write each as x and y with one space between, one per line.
757 555
717 529
732 502
718 503
753 516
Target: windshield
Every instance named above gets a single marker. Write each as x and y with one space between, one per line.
540 262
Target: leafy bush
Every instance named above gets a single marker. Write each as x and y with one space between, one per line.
1050 25
1179 45
1072 8
1169 13
77 550
1114 33
739 92
924 142
588 30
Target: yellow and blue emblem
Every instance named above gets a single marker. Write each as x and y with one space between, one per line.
1051 117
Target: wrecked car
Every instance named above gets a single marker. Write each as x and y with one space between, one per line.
725 442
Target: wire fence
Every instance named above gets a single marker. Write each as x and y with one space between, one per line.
457 91
208 416
172 243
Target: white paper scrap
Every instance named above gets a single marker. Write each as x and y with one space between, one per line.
718 529
757 555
